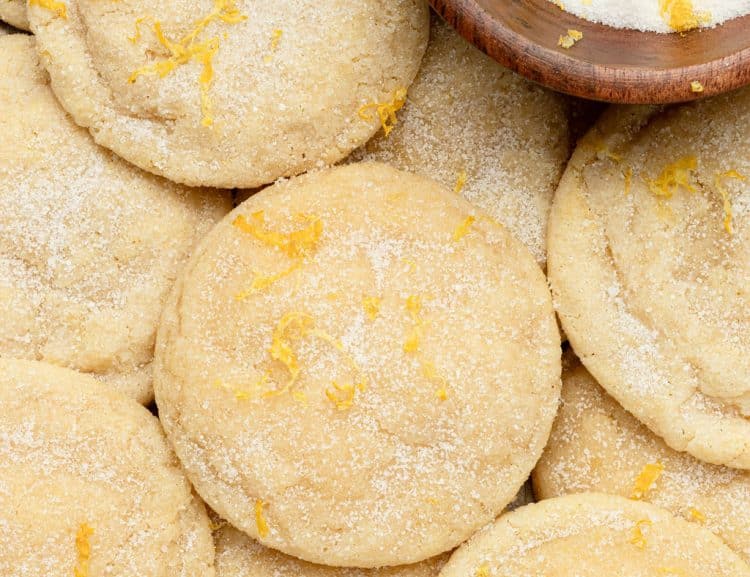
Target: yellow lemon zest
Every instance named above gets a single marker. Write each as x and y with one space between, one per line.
482 571
83 548
260 520
187 49
414 307
372 306
58 8
281 344
602 148
728 212
430 372
343 395
296 244
463 229
262 282
696 86
568 40
243 394
460 182
386 111
628 174
696 515
671 571
299 396
138 34
680 15
274 45
638 539
410 263
646 479
673 176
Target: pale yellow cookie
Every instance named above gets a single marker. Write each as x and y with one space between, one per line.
231 93
14 13
89 245
597 446
359 368
484 132
89 485
649 260
239 556
593 535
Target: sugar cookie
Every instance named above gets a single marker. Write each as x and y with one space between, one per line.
590 535
88 483
14 13
231 93
597 446
649 260
481 130
89 245
239 556
358 368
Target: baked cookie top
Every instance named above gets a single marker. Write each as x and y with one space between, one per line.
88 483
89 245
239 556
590 535
598 446
358 368
483 131
231 93
14 13
649 259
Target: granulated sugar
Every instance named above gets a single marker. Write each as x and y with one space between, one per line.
657 15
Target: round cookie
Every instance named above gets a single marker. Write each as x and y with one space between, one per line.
89 245
231 93
480 129
239 556
89 484
358 368
597 446
649 256
590 535
14 13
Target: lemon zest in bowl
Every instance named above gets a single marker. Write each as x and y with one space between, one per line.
646 479
59 8
696 515
273 45
680 15
386 111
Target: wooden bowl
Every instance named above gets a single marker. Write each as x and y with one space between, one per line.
608 64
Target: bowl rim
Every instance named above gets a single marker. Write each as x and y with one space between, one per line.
563 71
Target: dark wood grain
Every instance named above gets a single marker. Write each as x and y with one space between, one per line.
608 64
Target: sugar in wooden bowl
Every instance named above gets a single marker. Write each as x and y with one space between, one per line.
554 47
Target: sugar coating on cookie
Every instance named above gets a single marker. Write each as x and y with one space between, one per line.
649 257
231 93
590 535
14 13
239 556
89 245
598 446
88 483
484 132
358 367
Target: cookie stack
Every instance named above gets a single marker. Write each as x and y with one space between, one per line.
315 234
